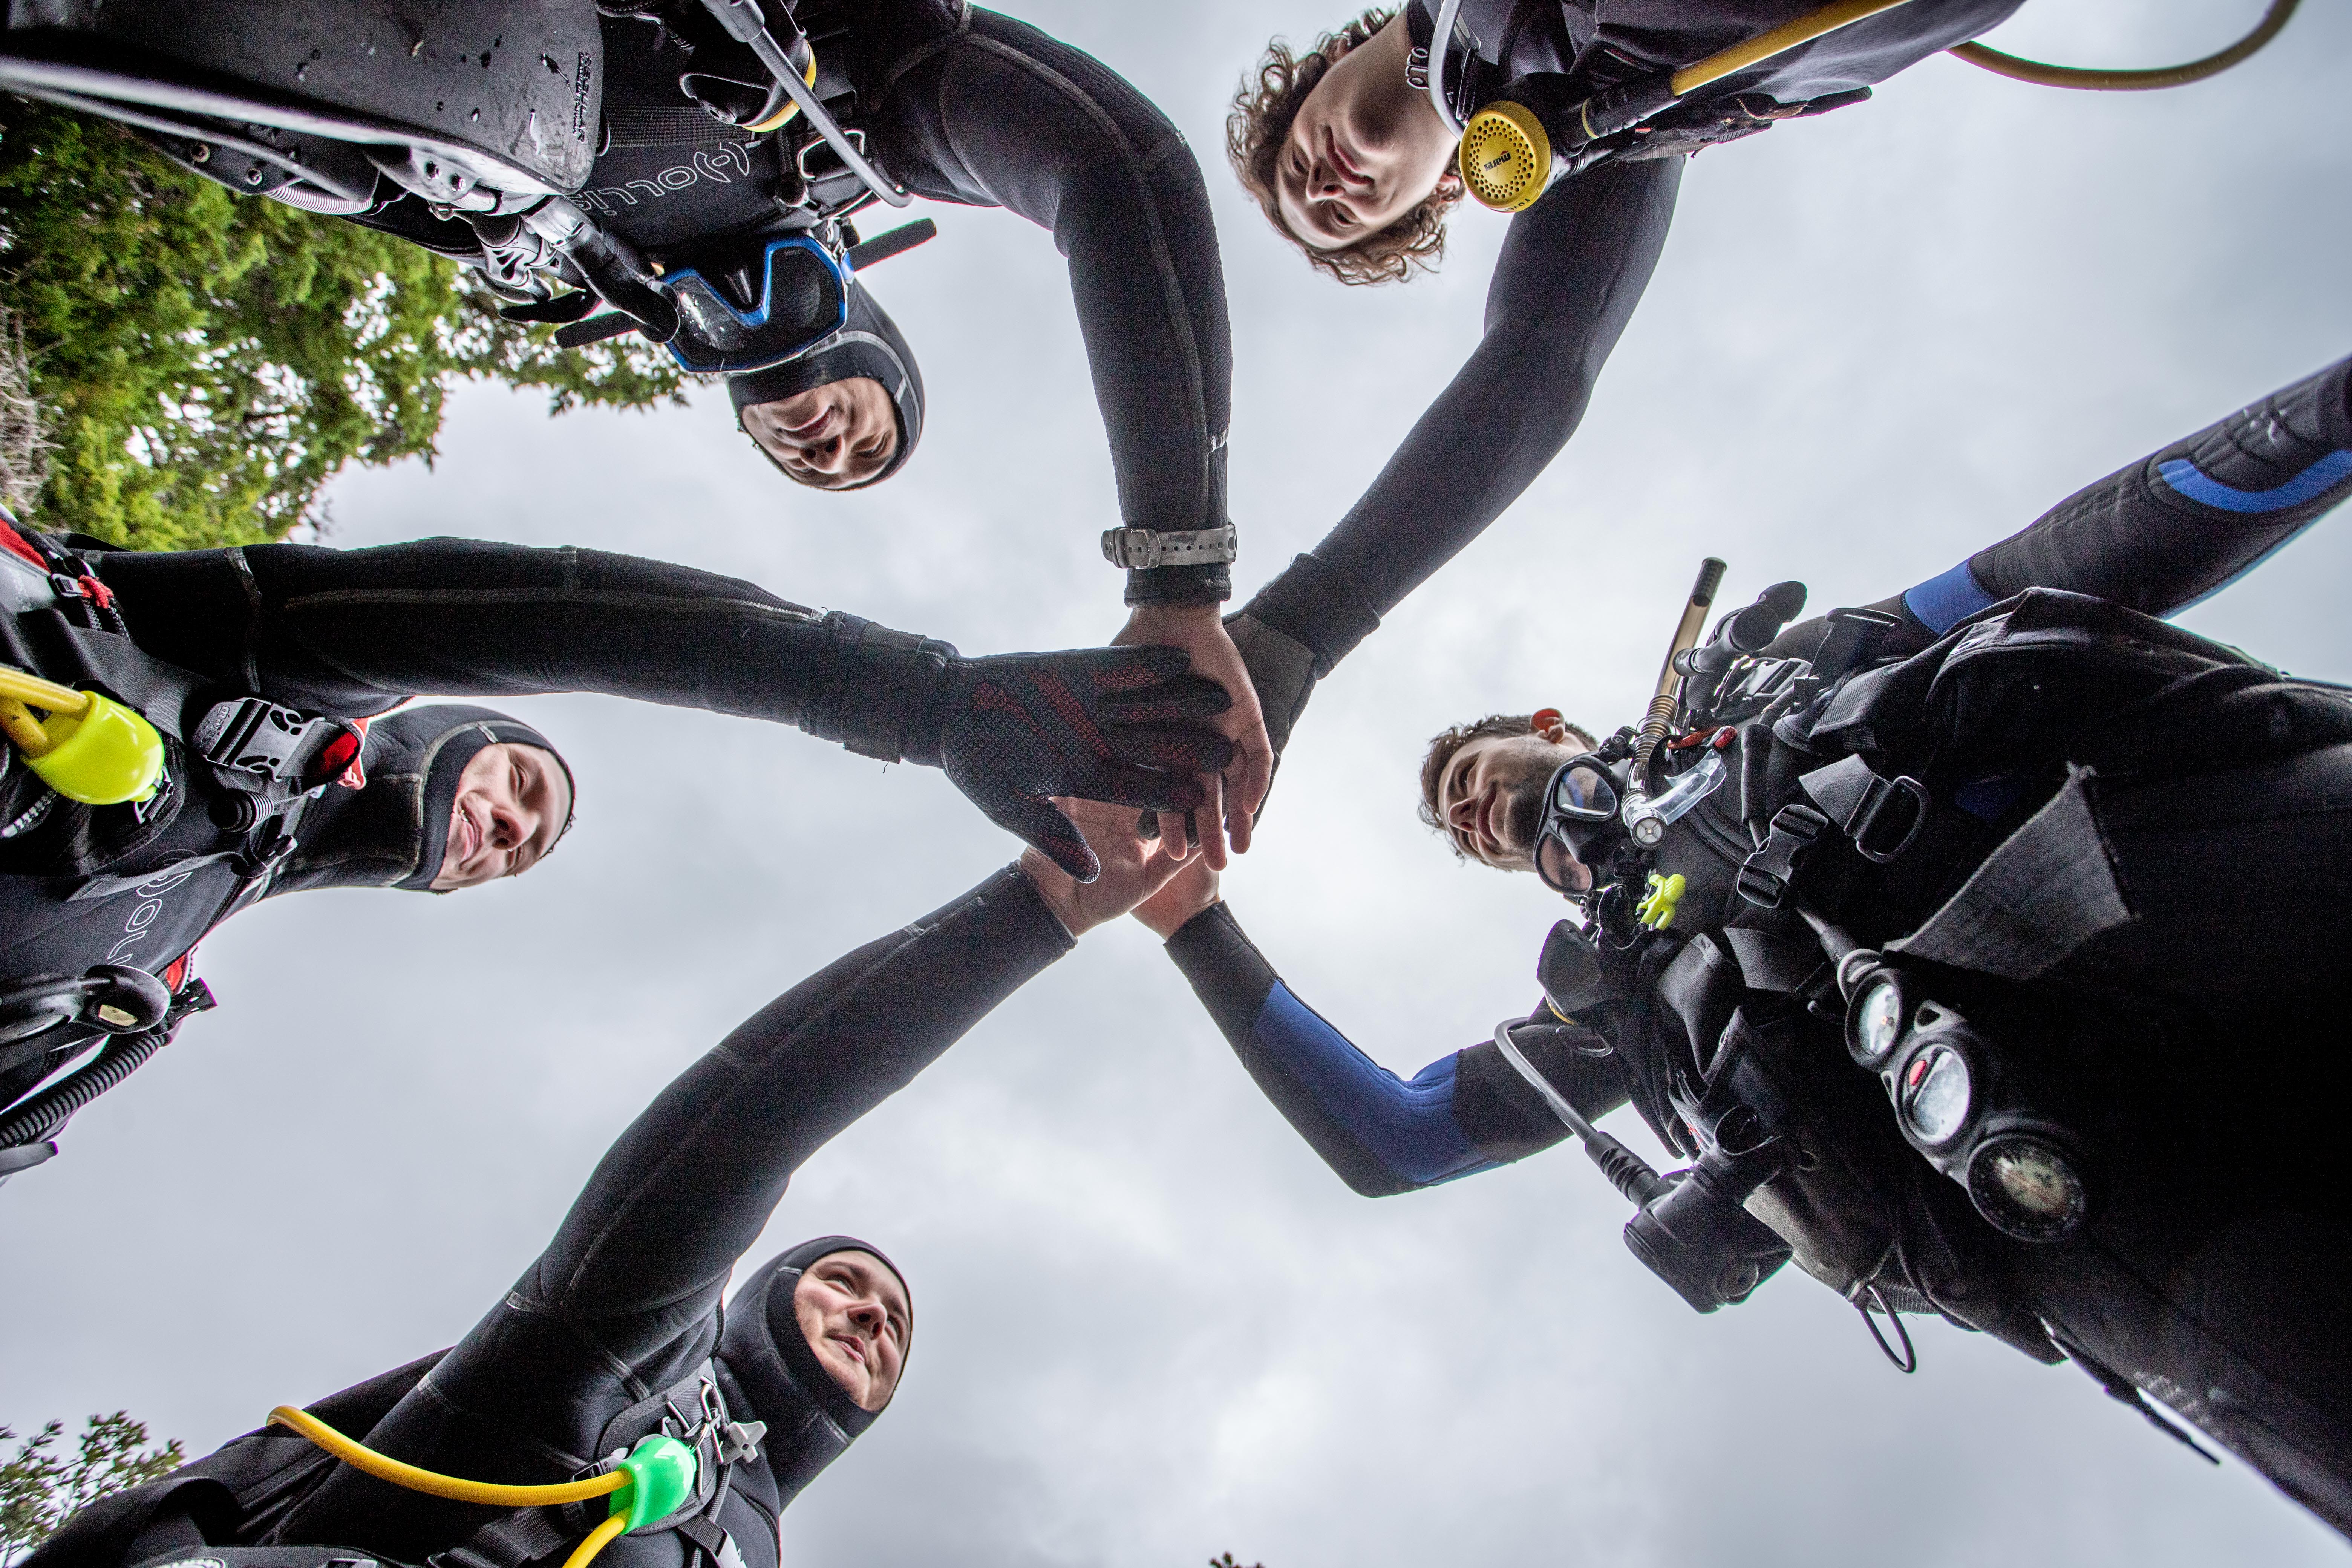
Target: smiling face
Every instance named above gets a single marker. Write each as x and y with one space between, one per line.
853 1310
512 803
830 437
1490 797
1365 149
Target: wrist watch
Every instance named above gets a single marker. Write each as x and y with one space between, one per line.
1141 549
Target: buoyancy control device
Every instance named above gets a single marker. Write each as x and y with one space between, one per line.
108 899
1953 978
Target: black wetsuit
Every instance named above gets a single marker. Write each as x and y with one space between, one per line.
352 633
966 106
349 634
2200 858
1572 267
625 1302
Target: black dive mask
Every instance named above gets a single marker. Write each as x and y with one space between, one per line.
392 831
1579 817
810 1420
868 343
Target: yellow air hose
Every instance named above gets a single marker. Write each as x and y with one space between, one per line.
2042 75
655 1461
383 1467
1779 41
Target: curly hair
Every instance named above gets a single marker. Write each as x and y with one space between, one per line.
1260 121
1445 743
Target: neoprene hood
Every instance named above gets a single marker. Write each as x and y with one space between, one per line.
869 344
392 831
811 1421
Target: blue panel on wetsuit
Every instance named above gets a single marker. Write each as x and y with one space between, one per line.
1407 1126
2314 481
1944 601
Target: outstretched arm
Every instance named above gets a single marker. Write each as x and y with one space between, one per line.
353 631
2160 534
624 1299
1006 116
2182 523
1572 271
1382 1134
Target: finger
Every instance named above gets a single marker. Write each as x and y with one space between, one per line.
1128 668
1210 820
1188 696
1172 832
1053 835
1169 794
1166 746
1247 777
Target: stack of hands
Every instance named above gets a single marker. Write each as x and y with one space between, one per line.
1161 866
1162 881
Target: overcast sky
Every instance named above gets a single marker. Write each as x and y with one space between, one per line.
1153 1327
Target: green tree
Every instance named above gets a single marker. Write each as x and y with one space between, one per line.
40 1488
206 362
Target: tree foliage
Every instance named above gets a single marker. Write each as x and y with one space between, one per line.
209 361
41 1488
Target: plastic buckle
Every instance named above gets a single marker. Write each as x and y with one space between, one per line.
256 737
1868 817
1764 875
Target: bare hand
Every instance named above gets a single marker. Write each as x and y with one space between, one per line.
1234 796
1133 868
1189 892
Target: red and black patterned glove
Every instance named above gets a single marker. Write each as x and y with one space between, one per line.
1116 724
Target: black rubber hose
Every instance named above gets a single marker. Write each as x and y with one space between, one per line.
41 1117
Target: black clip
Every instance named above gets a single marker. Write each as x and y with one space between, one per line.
1870 814
1764 875
262 746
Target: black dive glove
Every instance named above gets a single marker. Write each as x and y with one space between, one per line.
1117 724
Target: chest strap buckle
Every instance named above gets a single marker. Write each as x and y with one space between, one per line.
270 750
1764 875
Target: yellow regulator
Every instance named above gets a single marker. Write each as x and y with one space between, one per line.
1505 156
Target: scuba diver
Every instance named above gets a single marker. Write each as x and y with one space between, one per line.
959 104
701 166
1356 152
613 1356
1980 948
250 687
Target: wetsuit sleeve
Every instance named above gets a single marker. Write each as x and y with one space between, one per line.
624 1300
354 631
1463 1113
1572 268
2180 524
1006 116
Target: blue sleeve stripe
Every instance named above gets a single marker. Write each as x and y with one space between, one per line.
1407 1126
2186 479
1944 601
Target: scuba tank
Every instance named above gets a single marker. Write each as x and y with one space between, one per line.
1954 977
